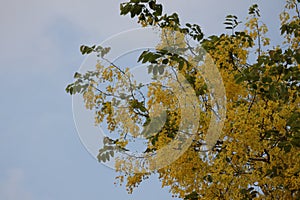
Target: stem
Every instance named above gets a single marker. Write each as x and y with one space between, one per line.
297 10
258 39
130 84
252 102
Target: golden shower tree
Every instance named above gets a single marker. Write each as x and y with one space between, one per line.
256 152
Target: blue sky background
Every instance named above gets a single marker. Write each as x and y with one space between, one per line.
41 156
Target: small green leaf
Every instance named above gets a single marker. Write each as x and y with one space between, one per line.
135 1
152 5
155 70
158 10
77 75
107 157
150 67
161 69
165 61
86 49
267 79
112 153
125 8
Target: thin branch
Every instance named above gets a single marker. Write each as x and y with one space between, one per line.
262 159
106 94
252 102
190 48
258 39
128 76
297 10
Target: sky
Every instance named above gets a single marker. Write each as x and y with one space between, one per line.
42 156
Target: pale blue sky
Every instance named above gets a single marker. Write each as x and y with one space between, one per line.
41 155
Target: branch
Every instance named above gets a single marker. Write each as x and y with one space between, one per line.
258 39
262 159
118 68
297 10
252 102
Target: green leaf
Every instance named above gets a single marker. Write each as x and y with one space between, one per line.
150 68
135 1
267 79
155 70
86 49
165 61
69 88
141 57
125 8
107 157
112 153
228 23
209 178
103 51
254 86
181 64
295 141
243 191
239 78
77 75
161 69
192 196
158 10
137 9
152 5
297 56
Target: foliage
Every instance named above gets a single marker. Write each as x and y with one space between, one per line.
257 154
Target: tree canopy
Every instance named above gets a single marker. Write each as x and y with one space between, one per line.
226 132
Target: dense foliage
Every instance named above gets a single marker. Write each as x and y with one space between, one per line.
256 154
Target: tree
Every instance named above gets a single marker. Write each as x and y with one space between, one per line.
256 153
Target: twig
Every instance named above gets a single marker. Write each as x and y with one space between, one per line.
252 102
